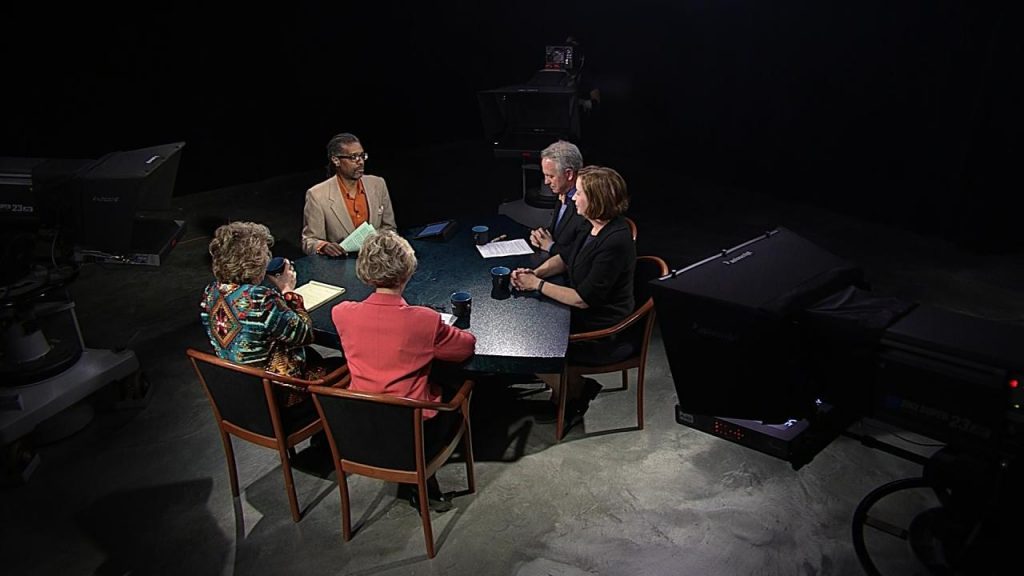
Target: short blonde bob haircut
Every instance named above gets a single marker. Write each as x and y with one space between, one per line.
240 252
606 192
386 260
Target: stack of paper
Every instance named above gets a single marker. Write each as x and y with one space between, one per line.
316 293
505 248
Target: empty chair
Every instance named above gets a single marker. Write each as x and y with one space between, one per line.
246 404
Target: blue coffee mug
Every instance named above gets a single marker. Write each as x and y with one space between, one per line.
276 265
501 276
462 304
480 234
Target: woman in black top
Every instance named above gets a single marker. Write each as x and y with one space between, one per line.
598 268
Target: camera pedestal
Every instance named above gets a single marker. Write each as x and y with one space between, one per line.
49 403
973 527
23 409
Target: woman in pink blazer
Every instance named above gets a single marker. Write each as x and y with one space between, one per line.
390 345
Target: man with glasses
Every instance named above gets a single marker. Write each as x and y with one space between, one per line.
343 202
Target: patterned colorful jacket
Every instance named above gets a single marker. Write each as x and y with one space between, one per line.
255 325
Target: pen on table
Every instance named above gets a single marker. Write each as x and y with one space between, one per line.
498 239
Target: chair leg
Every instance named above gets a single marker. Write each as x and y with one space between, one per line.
346 512
562 393
467 448
289 483
428 532
625 379
229 454
640 397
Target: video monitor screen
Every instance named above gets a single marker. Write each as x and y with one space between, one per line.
559 57
528 110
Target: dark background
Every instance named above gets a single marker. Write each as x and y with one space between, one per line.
903 112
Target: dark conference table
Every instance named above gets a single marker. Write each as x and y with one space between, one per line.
524 333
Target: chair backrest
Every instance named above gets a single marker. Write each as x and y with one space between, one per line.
371 432
237 392
632 226
647 268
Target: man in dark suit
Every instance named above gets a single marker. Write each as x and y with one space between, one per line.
561 163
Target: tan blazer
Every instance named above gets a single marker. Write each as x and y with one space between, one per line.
326 218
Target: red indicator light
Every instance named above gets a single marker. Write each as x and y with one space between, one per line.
1014 383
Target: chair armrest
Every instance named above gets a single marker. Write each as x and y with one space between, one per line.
605 332
455 403
460 398
339 378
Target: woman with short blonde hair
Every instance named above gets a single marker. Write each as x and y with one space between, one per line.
387 262
390 345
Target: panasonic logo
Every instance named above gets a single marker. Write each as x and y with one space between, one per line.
738 258
106 199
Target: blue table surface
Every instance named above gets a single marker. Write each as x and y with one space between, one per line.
520 334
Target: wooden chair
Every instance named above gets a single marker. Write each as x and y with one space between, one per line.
632 226
383 437
245 405
635 335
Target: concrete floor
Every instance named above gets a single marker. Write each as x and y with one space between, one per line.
146 491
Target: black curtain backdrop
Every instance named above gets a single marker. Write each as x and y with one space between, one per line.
904 112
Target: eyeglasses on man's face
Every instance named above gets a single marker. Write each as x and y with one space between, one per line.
354 157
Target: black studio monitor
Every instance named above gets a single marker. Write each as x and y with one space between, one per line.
729 324
524 119
119 189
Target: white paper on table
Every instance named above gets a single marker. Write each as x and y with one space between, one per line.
316 293
505 248
448 319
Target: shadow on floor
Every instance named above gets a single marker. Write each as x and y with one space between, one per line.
134 528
